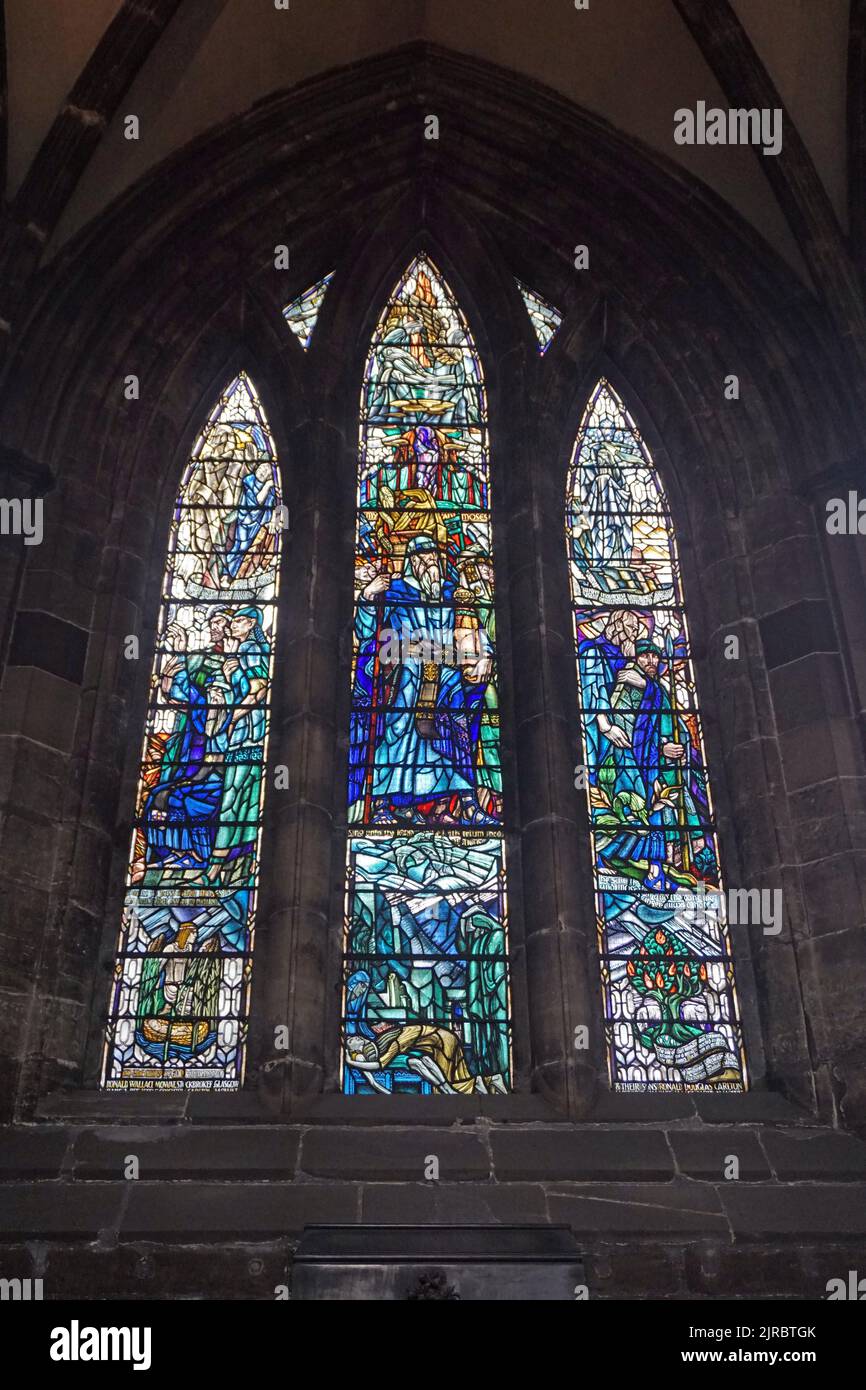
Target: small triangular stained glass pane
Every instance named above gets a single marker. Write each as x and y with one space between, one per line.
302 313
544 317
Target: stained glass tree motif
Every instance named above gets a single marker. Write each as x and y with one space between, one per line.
543 317
425 982
671 1018
302 313
181 986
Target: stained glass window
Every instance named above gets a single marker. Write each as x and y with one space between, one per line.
181 986
543 317
302 313
670 1008
425 983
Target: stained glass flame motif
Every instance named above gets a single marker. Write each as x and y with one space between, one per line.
670 1008
426 1002
302 313
180 994
544 318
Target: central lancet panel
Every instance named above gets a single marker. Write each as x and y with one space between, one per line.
426 994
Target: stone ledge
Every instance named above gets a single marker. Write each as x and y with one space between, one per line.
108 1107
676 1209
581 1154
334 1109
827 1216
189 1152
472 1150
248 1106
233 1211
473 1203
59 1210
646 1108
704 1153
755 1107
32 1151
371 1154
49 643
797 1210
821 1154
656 1107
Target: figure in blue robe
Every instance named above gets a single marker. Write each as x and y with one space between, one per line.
181 811
255 511
651 772
415 722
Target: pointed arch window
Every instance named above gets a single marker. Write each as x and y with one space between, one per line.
181 985
670 1008
426 1005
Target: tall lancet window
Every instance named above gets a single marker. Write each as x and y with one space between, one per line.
178 1013
425 985
671 1019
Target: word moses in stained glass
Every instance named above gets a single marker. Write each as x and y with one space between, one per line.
671 1018
181 986
425 982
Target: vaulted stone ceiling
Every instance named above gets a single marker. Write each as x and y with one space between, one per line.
633 62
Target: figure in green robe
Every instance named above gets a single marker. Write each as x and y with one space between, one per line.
246 668
487 994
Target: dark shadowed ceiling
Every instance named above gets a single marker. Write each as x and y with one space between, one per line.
633 62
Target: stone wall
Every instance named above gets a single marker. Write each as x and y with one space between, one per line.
217 1210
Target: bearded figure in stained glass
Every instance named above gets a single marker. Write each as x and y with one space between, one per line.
605 641
413 750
